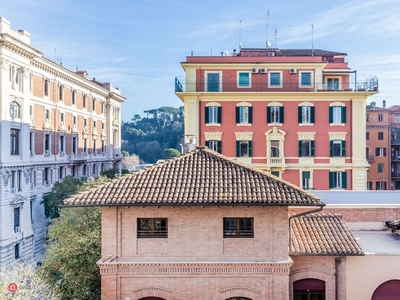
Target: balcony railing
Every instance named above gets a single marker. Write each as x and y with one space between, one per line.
288 84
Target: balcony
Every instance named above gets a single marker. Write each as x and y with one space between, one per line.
276 162
77 158
289 83
370 158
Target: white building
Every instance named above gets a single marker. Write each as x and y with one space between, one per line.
53 123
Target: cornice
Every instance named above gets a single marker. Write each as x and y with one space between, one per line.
21 48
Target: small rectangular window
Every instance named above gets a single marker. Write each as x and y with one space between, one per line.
14 141
213 115
17 219
275 79
305 175
238 228
380 117
243 148
152 228
243 79
214 145
305 79
381 185
367 135
213 82
17 251
380 135
380 151
380 167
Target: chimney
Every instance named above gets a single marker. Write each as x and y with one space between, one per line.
82 74
234 52
384 103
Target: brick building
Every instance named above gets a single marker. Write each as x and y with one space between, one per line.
297 113
201 226
54 123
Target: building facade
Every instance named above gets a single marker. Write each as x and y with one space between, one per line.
296 113
54 123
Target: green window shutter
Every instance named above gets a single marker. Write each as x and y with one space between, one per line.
312 148
268 114
219 116
312 111
343 111
305 174
281 114
237 148
344 180
219 147
343 148
237 115
331 148
250 150
331 180
206 114
208 144
330 114
300 148
300 114
250 114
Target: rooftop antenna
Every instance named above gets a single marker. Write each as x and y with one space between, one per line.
312 39
266 33
240 34
276 33
227 52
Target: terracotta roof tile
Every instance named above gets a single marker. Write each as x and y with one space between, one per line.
322 234
200 177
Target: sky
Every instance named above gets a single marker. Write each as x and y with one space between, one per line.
138 45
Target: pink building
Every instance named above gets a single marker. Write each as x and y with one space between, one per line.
201 226
291 112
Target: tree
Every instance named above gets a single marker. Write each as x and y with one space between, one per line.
129 161
170 153
73 250
31 284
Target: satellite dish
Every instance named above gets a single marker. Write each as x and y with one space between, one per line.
227 52
240 45
269 44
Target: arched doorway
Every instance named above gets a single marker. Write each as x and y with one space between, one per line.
151 298
389 290
309 289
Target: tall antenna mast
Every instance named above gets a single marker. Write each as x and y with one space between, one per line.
276 32
240 34
312 39
266 34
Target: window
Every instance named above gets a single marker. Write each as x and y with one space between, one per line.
93 104
243 79
309 289
337 114
380 117
94 147
380 167
243 148
15 111
305 79
47 176
381 185
305 175
31 142
337 180
275 114
47 144
85 123
74 145
17 251
275 79
367 135
62 144
306 148
380 135
213 115
84 101
73 121
238 228
16 181
275 173
244 115
73 97
380 151
338 148
369 185
274 150
14 141
17 219
213 82
84 145
61 119
333 84
46 87
61 93
103 147
94 124
306 114
61 172
397 119
367 117
152 228
47 115
214 145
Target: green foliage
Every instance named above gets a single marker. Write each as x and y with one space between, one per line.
110 173
170 153
124 171
31 284
73 250
124 153
161 128
60 191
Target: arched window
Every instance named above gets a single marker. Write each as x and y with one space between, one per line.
238 298
151 298
307 289
15 111
389 290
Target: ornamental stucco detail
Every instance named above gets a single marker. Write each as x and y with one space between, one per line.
6 173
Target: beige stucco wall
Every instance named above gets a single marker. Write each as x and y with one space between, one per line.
366 273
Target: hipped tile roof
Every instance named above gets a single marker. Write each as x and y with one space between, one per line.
200 177
322 234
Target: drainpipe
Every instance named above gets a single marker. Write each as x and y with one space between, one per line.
299 215
338 261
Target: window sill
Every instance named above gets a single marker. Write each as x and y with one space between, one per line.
213 124
275 124
243 124
337 124
306 124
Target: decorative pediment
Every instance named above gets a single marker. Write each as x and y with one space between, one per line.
17 201
275 131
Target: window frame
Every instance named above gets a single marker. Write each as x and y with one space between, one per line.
306 114
207 86
311 148
342 148
380 151
303 85
244 115
241 230
239 148
337 114
213 114
15 136
275 114
214 145
152 231
380 135
337 180
15 110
